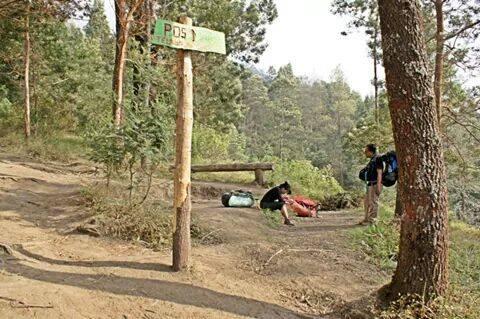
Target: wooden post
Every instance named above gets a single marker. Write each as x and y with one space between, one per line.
184 127
259 179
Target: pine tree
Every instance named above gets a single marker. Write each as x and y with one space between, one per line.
98 30
97 26
422 270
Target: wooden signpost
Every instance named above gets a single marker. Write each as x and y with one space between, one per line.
185 37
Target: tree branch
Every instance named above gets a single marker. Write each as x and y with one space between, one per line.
465 28
7 4
465 126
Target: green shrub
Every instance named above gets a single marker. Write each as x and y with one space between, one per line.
274 218
212 146
61 147
142 139
306 179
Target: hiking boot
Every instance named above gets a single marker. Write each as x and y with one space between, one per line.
288 222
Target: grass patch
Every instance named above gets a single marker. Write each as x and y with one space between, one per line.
226 177
380 242
273 218
58 148
150 224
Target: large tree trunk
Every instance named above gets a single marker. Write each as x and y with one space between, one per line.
26 57
375 72
144 17
440 39
398 205
422 262
123 19
122 28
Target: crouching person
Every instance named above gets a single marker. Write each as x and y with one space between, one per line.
277 199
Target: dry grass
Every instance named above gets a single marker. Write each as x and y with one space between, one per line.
150 224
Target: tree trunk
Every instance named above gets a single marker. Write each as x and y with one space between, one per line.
462 211
26 57
440 39
122 28
141 87
375 72
398 205
183 158
422 262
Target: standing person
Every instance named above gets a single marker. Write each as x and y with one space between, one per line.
372 175
276 199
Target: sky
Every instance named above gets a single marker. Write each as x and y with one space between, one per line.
307 35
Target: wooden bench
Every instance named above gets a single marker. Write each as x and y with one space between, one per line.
258 168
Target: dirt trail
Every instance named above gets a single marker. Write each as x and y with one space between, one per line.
257 272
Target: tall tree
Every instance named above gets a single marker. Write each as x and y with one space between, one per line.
439 56
363 14
97 25
422 263
124 14
28 10
243 22
285 114
256 100
98 30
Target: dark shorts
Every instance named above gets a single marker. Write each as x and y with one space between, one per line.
272 205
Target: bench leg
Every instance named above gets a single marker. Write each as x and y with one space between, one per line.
259 177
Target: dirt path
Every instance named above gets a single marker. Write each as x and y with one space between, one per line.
257 272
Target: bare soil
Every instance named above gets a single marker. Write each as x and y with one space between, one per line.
307 271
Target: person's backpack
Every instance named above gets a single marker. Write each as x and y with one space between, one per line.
363 174
238 198
390 168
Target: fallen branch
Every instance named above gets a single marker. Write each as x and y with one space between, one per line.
292 250
206 236
7 249
308 250
14 303
271 257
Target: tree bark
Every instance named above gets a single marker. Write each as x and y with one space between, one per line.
122 27
375 72
123 21
439 56
26 57
422 262
183 158
398 205
141 87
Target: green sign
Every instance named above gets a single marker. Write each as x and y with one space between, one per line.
182 36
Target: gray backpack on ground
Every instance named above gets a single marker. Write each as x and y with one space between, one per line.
238 198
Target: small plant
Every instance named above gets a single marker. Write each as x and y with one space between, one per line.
137 148
380 240
274 218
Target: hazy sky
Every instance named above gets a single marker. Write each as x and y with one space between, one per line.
308 36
